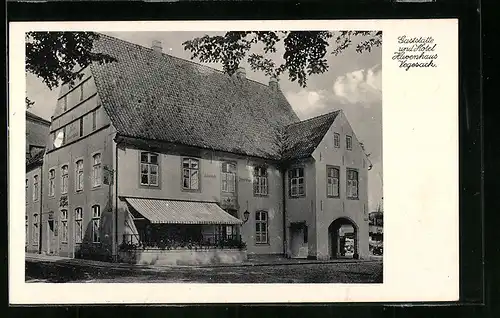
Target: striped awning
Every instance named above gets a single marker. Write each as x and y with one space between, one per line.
181 212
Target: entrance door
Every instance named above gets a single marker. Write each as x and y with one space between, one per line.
298 248
51 238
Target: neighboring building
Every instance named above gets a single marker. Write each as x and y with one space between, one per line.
37 130
155 152
376 229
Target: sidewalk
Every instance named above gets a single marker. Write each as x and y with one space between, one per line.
253 260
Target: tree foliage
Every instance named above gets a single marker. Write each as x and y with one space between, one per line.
55 57
305 52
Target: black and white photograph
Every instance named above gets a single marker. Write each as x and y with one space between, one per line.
198 158
228 157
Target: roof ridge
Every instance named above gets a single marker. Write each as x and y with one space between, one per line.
182 59
316 117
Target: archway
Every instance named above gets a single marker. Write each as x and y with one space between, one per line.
343 238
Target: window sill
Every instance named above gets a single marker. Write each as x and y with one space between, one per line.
191 190
78 191
262 244
333 196
261 195
297 196
96 187
353 198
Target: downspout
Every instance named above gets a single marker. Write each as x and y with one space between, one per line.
116 200
41 209
283 181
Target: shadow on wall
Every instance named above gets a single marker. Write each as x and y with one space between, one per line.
97 247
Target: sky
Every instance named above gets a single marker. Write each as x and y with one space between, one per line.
353 83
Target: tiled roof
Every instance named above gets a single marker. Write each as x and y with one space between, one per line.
37 131
303 137
155 96
37 159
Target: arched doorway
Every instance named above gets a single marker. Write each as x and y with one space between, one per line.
343 238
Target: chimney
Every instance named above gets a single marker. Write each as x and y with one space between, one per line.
241 73
273 84
156 46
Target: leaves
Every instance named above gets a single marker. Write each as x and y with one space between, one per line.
305 52
56 56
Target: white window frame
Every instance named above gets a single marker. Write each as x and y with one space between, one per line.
336 140
352 184
348 142
297 188
64 178
260 181
96 170
79 175
149 165
78 225
52 182
193 166
261 227
332 182
64 226
228 177
96 222
35 188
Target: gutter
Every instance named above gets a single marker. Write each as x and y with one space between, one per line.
116 200
285 243
41 208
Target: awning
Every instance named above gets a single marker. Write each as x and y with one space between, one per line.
181 212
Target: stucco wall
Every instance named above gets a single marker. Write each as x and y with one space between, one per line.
170 187
32 207
330 209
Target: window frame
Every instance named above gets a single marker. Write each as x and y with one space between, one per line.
224 176
80 127
328 178
149 164
94 119
64 225
258 187
336 140
96 170
26 229
27 190
263 224
79 173
36 228
96 220
78 225
36 186
52 182
348 142
190 169
349 184
64 175
297 178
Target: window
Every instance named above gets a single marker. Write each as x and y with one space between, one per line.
336 140
190 174
35 188
65 102
260 181
64 226
296 177
149 169
96 170
96 220
94 119
79 175
26 195
348 142
352 184
81 127
228 177
36 232
261 233
332 183
26 229
64 179
78 225
52 182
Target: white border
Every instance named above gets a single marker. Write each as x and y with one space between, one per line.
420 150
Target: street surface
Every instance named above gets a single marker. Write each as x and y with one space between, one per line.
342 272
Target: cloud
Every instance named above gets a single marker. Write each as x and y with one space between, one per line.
361 86
307 102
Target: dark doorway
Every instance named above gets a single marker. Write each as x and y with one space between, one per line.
343 239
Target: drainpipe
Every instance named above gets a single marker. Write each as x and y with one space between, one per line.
115 175
285 243
41 209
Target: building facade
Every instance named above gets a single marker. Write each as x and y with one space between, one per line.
155 152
